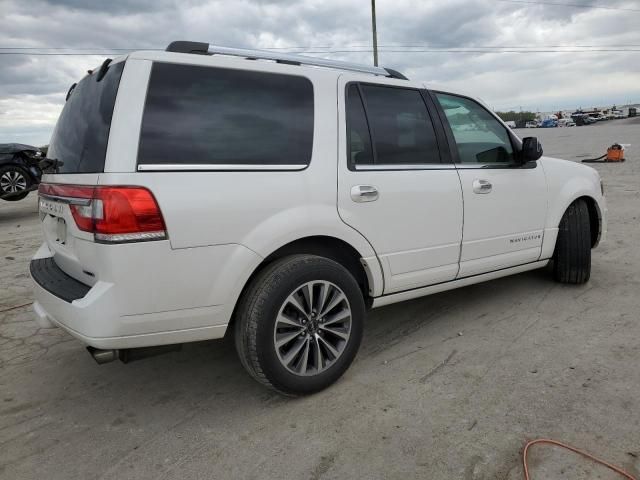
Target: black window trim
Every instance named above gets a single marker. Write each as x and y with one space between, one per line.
218 167
516 143
445 162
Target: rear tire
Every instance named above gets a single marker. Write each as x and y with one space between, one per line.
572 257
14 179
299 324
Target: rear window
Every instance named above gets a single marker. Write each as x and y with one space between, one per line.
213 116
82 132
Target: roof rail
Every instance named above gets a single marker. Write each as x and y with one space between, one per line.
201 48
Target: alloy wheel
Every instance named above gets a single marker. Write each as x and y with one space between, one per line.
13 181
312 328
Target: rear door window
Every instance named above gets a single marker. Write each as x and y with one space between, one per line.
400 126
360 150
203 116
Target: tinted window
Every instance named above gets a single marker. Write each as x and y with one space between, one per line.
360 151
400 126
204 115
82 132
480 138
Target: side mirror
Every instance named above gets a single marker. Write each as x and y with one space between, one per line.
531 150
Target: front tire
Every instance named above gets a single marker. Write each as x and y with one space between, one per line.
14 182
572 257
299 324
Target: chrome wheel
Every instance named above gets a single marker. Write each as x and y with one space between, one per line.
312 328
13 181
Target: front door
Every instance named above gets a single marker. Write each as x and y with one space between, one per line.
393 186
505 203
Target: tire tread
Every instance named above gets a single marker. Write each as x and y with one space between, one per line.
572 258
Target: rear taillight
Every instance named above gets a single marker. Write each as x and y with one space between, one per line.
114 214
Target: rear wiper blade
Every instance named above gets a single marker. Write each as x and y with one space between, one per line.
50 165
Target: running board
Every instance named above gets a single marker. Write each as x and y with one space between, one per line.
463 282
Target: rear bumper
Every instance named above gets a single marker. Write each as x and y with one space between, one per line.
94 323
49 276
154 304
46 319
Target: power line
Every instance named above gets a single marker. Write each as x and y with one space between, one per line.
571 5
330 52
478 51
309 47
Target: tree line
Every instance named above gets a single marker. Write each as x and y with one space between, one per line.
517 116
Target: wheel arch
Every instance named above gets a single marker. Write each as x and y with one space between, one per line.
324 246
595 217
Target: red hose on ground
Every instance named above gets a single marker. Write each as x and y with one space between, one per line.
573 449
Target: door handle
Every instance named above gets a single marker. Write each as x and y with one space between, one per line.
364 193
482 186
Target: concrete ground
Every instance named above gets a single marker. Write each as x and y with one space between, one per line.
450 386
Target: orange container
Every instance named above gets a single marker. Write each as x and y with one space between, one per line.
615 153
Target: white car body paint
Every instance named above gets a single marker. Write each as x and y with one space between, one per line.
427 231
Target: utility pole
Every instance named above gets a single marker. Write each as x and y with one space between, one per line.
375 33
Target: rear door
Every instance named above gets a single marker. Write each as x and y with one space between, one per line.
505 203
79 143
395 186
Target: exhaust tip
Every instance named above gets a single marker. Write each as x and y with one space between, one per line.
103 356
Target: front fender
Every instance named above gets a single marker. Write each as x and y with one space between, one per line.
566 182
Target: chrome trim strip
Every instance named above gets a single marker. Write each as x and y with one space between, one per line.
419 166
477 166
467 166
301 59
170 167
68 200
130 237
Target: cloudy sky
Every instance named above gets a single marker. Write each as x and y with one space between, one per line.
463 33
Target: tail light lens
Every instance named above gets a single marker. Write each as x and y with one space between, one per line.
114 214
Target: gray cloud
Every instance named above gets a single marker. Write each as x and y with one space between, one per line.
32 88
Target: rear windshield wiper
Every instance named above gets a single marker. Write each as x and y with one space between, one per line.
50 165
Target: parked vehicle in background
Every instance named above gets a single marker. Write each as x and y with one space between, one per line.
566 122
549 123
632 111
510 124
581 119
19 170
531 124
278 198
617 114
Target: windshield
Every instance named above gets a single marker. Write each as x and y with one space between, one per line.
82 132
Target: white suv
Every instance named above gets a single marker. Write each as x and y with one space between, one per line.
206 190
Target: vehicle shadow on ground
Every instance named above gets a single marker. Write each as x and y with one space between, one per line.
204 371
